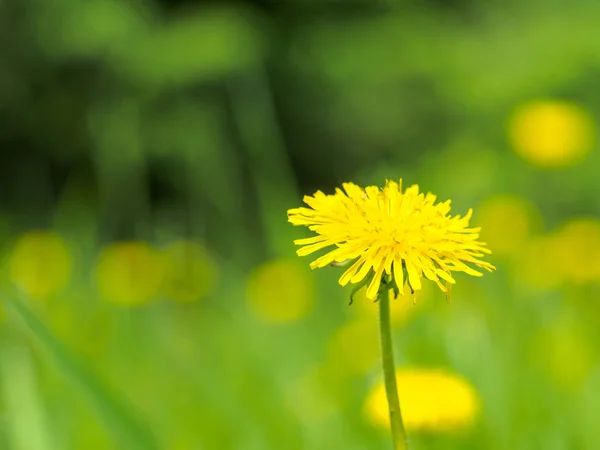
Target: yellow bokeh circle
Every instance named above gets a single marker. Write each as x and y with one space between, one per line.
354 348
40 263
551 133
578 250
572 357
280 291
538 264
129 273
506 223
190 273
431 400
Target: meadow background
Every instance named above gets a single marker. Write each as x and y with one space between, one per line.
151 296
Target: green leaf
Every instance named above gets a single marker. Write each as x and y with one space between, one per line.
117 417
209 44
27 421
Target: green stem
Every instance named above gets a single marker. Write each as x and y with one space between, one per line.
389 373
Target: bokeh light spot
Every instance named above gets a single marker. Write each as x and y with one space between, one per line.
40 263
281 291
190 274
537 264
355 346
565 353
506 222
129 273
551 134
578 250
431 400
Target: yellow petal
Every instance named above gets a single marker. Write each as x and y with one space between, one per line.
399 274
373 288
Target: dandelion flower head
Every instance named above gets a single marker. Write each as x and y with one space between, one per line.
41 263
390 234
551 133
129 273
432 400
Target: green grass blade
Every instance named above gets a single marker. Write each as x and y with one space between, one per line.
27 420
117 417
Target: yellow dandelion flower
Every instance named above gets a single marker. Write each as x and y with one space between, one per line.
551 133
280 291
129 273
431 400
40 263
389 232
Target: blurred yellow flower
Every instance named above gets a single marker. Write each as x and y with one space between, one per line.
537 264
280 291
129 273
190 274
431 400
572 357
571 254
578 250
355 347
551 133
40 263
386 232
506 222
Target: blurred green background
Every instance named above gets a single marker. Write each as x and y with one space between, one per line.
151 296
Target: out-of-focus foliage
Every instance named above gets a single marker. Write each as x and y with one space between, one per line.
150 150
